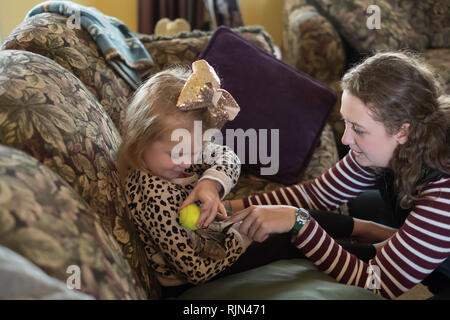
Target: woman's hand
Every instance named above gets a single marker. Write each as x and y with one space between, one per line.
258 222
207 192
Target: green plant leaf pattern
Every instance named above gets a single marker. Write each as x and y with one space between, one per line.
43 219
64 127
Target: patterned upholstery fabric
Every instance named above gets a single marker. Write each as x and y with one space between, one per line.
185 47
48 113
62 104
311 43
315 32
43 219
47 34
440 60
396 30
430 17
118 44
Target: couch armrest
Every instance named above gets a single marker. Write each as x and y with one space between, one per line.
310 42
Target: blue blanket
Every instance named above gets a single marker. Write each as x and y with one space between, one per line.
120 47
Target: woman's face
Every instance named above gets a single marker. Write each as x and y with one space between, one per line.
370 143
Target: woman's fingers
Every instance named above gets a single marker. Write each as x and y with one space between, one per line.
258 231
247 223
253 228
260 235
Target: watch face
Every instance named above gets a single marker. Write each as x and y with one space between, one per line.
303 215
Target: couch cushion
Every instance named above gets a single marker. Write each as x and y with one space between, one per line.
431 17
439 60
272 96
311 43
48 113
43 219
48 34
296 279
396 30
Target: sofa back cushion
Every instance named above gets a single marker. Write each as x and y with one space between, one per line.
43 219
396 30
431 17
47 34
48 113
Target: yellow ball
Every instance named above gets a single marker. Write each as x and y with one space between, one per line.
189 216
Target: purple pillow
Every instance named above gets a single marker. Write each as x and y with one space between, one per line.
272 95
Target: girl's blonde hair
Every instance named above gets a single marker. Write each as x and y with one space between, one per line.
399 88
146 117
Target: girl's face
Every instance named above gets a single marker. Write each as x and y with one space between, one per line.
168 159
370 143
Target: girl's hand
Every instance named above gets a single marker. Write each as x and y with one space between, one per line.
207 192
258 222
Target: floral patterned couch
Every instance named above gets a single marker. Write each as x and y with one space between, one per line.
61 203
324 37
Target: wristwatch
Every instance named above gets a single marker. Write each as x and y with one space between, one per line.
302 216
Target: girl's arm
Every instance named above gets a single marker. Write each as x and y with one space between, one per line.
220 164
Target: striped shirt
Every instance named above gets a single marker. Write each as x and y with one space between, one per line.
413 252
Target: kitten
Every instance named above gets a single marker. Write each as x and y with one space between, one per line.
210 242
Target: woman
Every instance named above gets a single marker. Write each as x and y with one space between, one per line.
397 127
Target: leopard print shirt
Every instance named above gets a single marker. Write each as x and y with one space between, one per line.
153 202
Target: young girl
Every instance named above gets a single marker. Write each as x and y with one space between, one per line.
397 126
159 175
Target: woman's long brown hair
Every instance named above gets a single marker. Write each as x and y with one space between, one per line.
399 88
